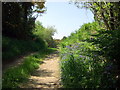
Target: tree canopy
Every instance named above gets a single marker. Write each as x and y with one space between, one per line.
18 20
107 12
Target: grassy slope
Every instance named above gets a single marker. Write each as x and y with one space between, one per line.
16 75
12 48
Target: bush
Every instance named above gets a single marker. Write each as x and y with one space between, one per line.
84 63
12 48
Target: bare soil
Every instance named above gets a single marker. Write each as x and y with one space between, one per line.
47 75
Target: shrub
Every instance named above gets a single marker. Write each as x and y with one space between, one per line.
12 48
84 61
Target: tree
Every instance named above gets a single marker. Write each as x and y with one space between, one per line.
18 20
45 33
108 37
107 12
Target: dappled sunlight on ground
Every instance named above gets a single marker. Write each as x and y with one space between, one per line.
47 75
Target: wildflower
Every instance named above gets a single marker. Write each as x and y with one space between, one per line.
76 46
70 53
68 47
78 43
81 56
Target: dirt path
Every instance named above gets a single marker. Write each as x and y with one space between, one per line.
15 62
47 75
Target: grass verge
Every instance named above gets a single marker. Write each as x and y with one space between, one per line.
13 76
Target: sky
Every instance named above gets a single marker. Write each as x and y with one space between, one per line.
65 17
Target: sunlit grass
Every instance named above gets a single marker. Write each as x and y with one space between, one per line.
13 76
82 64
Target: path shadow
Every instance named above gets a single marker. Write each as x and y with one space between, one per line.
51 56
42 73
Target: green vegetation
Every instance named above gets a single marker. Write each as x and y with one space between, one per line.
13 76
19 21
18 25
14 47
22 35
45 33
83 61
80 67
90 57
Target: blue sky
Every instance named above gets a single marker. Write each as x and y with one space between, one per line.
65 17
